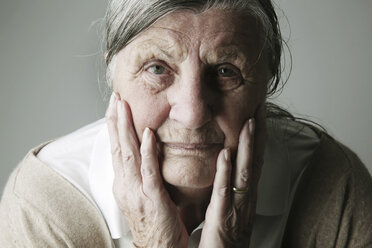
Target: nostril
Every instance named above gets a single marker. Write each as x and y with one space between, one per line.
191 116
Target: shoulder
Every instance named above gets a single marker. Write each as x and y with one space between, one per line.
40 208
334 163
75 145
71 155
333 201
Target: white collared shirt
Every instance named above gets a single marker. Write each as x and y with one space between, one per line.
84 159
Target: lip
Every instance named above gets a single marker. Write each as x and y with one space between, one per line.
189 146
192 147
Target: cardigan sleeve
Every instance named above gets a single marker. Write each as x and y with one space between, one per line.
41 209
23 225
333 202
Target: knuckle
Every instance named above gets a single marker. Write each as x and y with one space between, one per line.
115 150
129 157
151 181
148 172
146 154
242 206
236 228
230 226
223 192
152 190
244 175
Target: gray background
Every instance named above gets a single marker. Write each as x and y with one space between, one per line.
51 70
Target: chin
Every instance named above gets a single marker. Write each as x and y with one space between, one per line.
189 172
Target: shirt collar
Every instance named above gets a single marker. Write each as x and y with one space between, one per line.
273 188
101 177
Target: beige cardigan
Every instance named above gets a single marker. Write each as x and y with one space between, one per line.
332 206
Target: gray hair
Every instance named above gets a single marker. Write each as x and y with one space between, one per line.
125 19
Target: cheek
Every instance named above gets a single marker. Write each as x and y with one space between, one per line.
148 109
235 111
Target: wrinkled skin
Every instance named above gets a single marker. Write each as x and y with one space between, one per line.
186 124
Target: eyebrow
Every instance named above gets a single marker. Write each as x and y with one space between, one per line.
168 55
227 53
168 49
230 53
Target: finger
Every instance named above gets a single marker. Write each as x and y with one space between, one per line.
111 120
243 168
151 178
260 138
220 199
128 143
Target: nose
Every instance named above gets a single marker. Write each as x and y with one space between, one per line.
189 102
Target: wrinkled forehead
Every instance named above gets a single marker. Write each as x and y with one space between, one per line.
208 23
211 30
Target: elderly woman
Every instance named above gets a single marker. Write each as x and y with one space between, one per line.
179 159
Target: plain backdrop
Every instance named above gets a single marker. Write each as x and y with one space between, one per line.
51 70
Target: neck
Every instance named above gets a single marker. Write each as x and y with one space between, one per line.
191 203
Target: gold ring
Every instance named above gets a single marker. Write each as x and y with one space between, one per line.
240 191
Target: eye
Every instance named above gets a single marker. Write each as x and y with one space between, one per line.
224 77
226 72
157 69
157 75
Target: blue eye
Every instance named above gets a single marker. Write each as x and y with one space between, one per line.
157 69
226 72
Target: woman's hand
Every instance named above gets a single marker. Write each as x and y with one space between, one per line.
138 188
229 217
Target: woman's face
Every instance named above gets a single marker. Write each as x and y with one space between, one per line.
193 79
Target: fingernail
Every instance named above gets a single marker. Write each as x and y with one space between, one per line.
145 146
227 154
112 98
251 123
146 134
